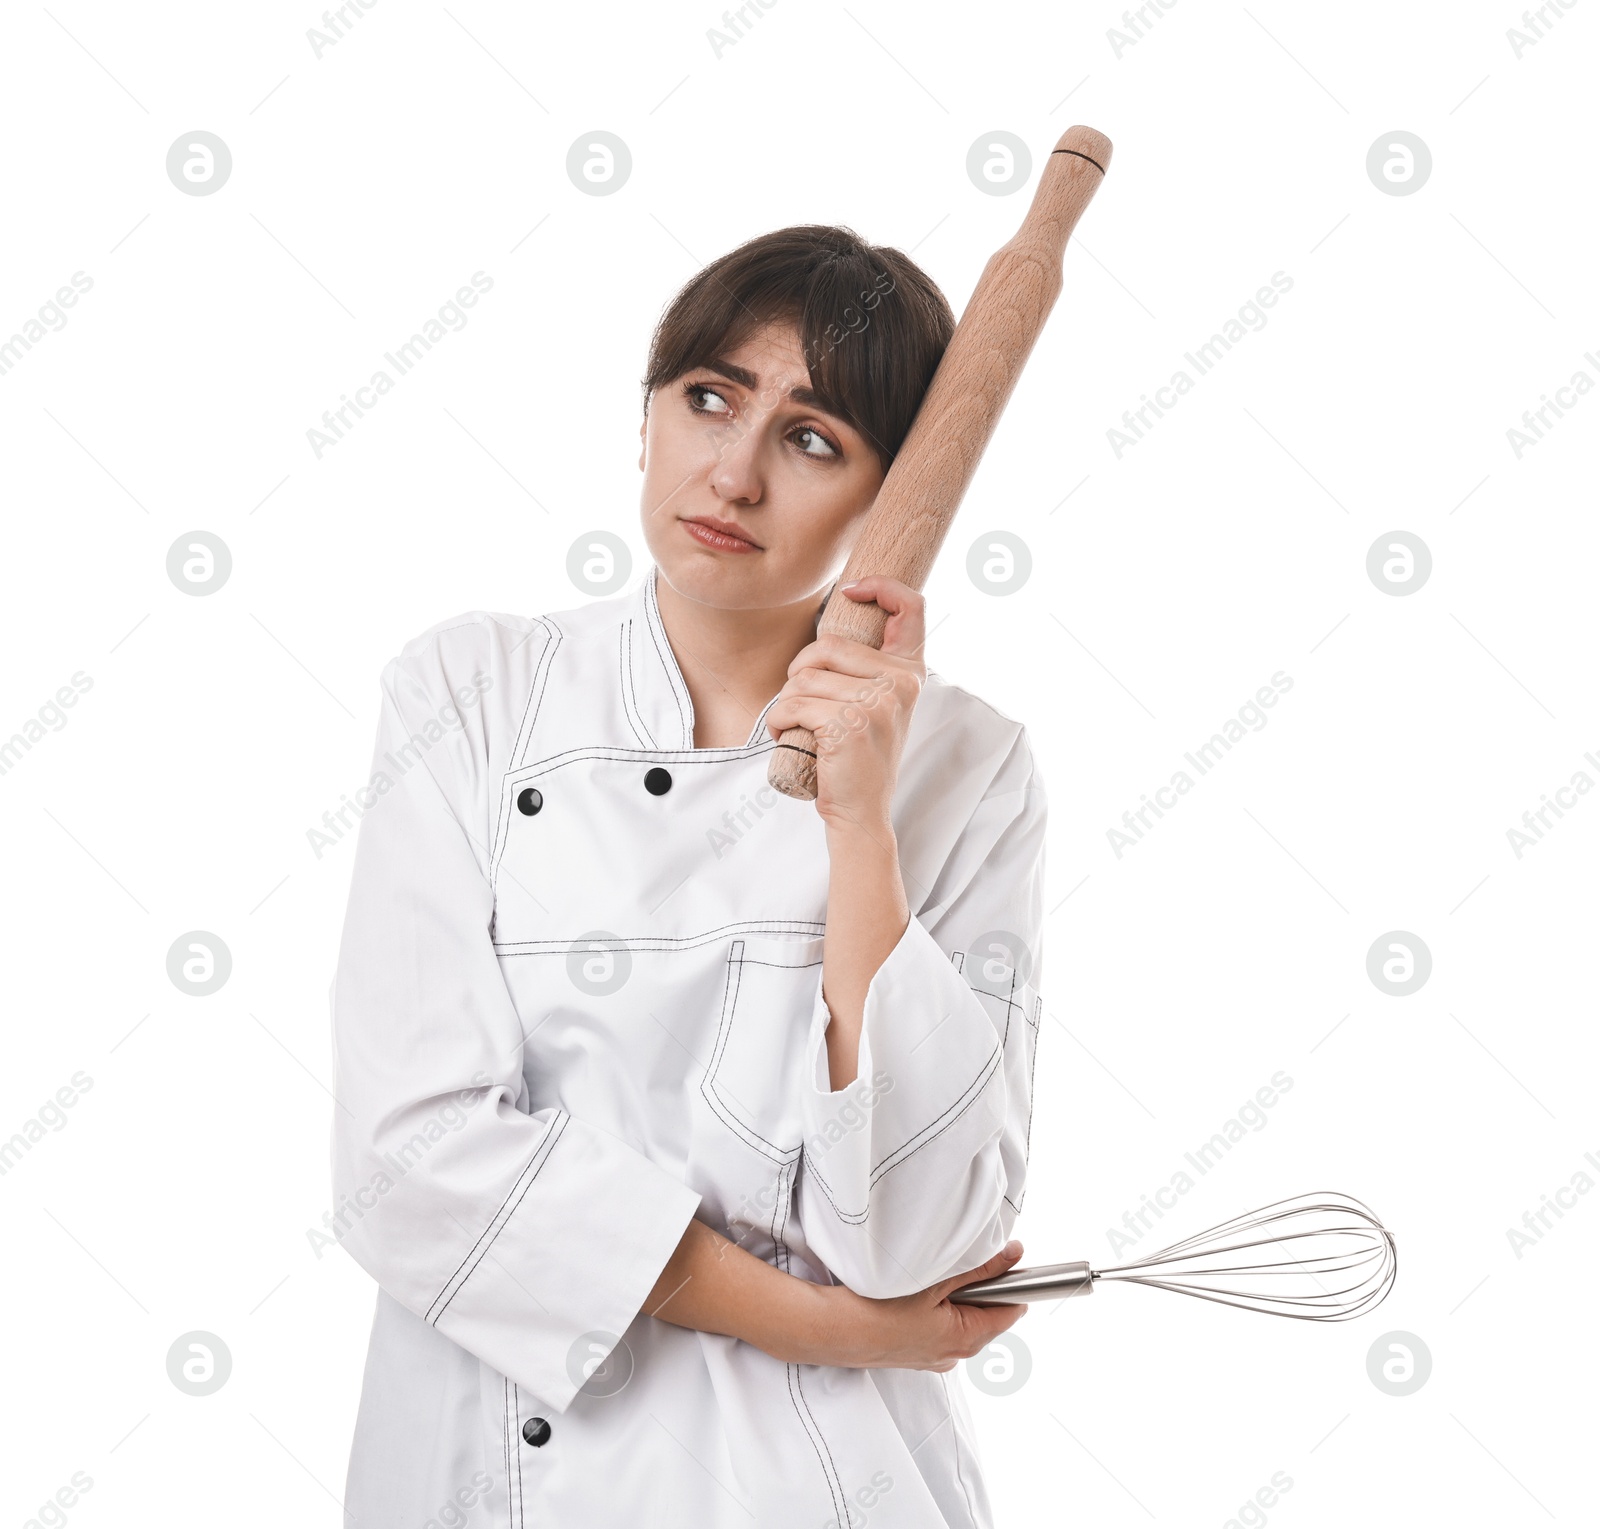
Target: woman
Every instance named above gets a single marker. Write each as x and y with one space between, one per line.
671 1109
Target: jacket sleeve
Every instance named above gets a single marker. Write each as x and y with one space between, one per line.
517 1235
915 1171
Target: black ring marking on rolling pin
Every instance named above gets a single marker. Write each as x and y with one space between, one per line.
1095 162
796 747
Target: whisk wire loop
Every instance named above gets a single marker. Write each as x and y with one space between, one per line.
1324 1236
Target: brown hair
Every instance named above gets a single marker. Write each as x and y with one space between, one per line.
872 324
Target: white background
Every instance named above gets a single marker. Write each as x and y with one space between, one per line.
1168 586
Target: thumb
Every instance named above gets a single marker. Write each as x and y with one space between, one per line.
905 631
999 1264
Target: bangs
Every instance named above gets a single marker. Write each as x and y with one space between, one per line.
871 325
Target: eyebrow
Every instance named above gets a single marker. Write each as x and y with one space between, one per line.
747 379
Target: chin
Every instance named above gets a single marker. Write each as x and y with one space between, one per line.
727 583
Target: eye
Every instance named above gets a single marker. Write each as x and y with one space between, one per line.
695 392
813 443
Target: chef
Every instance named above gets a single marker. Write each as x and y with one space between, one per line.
676 1107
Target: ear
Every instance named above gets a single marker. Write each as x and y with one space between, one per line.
642 424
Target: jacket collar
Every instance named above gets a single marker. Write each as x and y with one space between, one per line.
654 695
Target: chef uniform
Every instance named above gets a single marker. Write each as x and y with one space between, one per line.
578 1002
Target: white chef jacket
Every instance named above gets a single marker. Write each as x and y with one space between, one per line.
578 1001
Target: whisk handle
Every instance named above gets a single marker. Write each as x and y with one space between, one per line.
1047 1282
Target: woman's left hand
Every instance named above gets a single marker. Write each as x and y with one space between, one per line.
858 700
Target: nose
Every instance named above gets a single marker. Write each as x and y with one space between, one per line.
737 474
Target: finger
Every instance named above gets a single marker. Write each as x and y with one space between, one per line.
823 717
986 1323
906 630
1003 1260
846 700
844 655
830 685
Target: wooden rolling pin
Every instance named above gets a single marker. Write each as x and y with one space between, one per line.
929 476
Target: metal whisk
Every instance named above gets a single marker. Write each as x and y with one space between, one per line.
1320 1257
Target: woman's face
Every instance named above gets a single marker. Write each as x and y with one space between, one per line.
753 496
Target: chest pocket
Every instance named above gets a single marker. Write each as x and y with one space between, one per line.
756 1071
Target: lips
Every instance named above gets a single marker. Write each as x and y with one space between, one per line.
723 535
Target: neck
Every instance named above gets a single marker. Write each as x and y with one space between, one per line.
733 661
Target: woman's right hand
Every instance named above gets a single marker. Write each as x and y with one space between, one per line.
925 1331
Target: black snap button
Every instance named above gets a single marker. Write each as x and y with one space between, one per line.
657 781
529 801
536 1432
